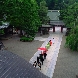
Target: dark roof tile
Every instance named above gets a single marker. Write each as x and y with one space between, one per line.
13 66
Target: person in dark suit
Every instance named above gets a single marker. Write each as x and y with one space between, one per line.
41 58
39 64
35 64
37 59
45 55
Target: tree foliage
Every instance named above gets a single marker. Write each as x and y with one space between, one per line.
43 10
2 32
72 39
70 16
22 14
57 4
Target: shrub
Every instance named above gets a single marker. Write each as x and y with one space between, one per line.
26 39
72 39
2 31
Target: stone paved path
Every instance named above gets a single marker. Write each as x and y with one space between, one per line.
52 54
40 38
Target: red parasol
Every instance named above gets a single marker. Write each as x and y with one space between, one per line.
43 49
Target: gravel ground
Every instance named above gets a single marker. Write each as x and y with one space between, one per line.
24 49
67 63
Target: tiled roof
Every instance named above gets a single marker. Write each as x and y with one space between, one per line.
53 14
3 26
43 25
56 22
13 66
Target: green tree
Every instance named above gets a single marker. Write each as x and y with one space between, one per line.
34 21
38 2
23 14
57 4
69 14
70 17
72 39
43 13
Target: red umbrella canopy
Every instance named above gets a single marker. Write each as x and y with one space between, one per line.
43 49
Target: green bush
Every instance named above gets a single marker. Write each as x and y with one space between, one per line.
26 39
72 39
2 31
0 23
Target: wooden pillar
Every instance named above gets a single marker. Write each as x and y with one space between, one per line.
41 32
48 29
61 29
5 31
12 30
53 28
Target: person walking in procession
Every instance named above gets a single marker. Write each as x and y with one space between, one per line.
35 64
37 59
41 58
45 55
50 42
39 64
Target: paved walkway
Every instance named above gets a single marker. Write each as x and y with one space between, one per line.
52 54
40 38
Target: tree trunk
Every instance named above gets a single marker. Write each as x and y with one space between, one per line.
21 32
12 30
